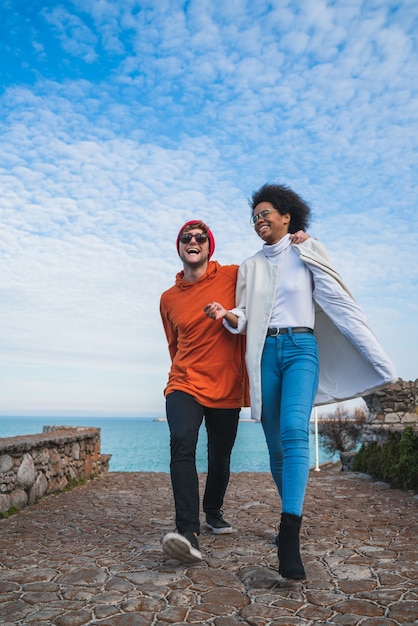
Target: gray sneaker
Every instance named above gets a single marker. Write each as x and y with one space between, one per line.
184 548
217 524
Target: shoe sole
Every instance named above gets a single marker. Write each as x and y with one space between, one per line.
220 531
176 546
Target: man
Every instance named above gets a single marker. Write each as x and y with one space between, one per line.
207 379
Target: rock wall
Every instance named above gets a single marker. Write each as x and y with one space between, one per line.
392 408
33 466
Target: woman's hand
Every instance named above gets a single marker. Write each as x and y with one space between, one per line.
215 311
299 236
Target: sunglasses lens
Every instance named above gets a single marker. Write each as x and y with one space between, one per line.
201 238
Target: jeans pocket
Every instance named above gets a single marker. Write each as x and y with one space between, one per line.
305 342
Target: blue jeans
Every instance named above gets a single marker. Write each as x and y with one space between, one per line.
289 382
185 416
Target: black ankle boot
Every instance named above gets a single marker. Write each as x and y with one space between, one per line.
287 541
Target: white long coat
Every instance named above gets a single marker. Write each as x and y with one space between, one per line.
352 362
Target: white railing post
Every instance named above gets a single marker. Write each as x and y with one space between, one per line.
317 468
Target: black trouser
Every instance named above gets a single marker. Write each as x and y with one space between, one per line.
185 416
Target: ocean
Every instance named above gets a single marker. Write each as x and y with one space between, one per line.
142 444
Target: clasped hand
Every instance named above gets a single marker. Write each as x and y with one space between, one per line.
215 311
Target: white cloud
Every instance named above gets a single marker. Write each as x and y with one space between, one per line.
75 36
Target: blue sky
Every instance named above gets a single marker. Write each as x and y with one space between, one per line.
122 120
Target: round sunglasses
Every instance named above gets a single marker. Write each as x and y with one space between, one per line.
199 237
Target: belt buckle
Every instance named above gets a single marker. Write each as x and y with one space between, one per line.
276 333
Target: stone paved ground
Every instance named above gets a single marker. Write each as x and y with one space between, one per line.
92 556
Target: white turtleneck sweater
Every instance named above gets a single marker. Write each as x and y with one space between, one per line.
293 305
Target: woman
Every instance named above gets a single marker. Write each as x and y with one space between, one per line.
297 315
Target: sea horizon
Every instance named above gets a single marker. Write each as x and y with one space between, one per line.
141 444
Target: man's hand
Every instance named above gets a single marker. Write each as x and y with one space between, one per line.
299 237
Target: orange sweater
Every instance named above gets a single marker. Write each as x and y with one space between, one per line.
208 362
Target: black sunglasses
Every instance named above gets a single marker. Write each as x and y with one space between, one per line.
199 238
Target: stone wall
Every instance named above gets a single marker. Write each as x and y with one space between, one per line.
392 408
33 466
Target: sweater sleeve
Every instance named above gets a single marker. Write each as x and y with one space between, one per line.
169 330
240 309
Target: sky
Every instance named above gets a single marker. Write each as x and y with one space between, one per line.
119 121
